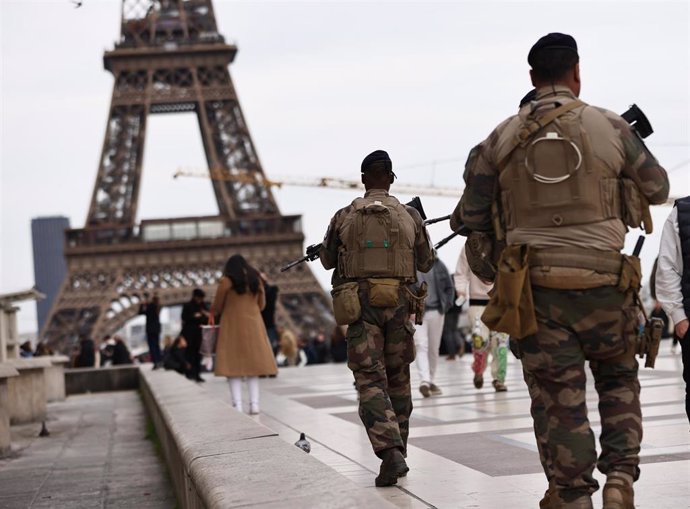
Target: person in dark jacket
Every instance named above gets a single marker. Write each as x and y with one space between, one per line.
194 315
151 309
86 358
268 313
121 354
175 357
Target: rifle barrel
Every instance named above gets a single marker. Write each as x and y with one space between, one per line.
293 263
436 220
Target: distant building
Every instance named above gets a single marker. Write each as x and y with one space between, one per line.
48 237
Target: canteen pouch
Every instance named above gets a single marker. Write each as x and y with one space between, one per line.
384 293
346 305
511 306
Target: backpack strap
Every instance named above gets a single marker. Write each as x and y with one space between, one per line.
534 124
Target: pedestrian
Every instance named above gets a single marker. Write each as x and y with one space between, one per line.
25 350
174 357
107 348
289 353
484 341
427 337
42 349
86 354
339 344
673 281
121 354
243 349
377 245
194 315
269 312
152 309
554 175
452 337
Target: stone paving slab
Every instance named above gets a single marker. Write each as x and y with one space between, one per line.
97 455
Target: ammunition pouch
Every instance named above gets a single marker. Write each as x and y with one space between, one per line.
346 305
417 302
483 252
630 275
384 293
648 342
511 306
635 213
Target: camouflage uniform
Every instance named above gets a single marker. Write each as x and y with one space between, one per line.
596 323
380 345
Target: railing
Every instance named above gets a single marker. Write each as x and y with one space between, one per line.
175 230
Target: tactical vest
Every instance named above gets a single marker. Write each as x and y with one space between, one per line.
378 237
683 206
552 178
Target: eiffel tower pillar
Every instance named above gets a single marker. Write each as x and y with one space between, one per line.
170 58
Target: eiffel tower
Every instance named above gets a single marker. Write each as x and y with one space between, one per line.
170 58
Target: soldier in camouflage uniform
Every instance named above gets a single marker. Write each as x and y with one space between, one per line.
380 345
555 174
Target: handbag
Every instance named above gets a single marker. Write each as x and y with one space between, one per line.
209 336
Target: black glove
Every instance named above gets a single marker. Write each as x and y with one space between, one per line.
313 252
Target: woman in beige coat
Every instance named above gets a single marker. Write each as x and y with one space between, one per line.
243 349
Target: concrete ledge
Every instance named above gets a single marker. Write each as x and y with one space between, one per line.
6 371
220 458
55 378
27 392
110 378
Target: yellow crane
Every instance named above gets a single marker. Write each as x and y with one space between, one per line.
329 182
248 177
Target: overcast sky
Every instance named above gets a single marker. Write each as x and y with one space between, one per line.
321 85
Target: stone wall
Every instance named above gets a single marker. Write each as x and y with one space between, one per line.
220 458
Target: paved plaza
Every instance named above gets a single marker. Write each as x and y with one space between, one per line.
470 448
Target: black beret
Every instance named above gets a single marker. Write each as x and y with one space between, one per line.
553 40
375 157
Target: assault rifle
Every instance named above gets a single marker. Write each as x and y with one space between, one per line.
314 250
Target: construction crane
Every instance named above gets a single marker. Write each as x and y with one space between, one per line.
328 182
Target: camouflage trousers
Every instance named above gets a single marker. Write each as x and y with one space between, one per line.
380 348
574 326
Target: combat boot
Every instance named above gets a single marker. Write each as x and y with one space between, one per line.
392 467
618 491
545 502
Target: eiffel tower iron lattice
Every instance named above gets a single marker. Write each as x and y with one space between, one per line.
170 58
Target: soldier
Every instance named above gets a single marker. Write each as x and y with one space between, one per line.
557 180
377 245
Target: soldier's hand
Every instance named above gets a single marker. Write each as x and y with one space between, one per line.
681 328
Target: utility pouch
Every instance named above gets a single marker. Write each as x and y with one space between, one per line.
346 305
418 302
631 274
511 306
384 293
632 203
648 344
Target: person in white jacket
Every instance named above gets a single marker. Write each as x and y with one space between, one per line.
484 341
